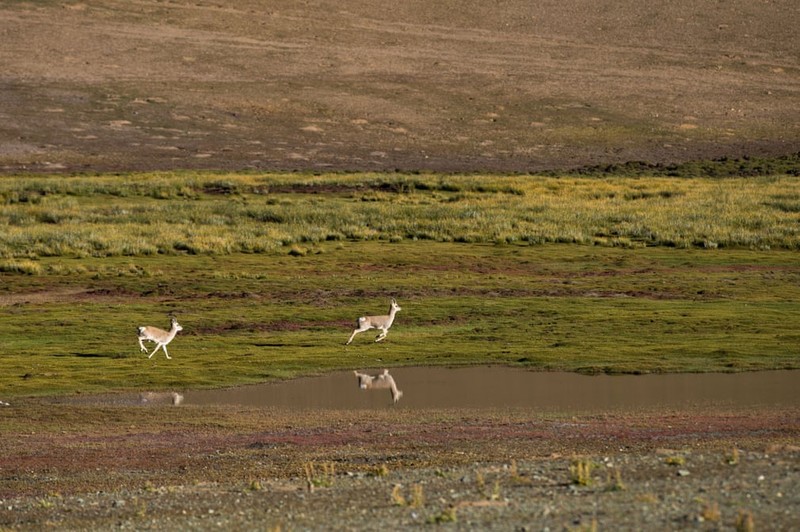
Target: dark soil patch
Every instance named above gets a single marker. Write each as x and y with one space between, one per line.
320 188
103 293
274 326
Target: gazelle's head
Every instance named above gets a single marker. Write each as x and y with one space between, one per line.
395 307
175 325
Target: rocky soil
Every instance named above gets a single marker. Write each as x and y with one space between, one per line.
71 466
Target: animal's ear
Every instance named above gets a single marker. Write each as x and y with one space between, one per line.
386 372
355 373
394 301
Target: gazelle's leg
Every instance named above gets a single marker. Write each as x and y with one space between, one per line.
158 346
382 335
165 352
141 346
355 332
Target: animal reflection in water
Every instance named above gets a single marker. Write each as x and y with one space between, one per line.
161 398
384 381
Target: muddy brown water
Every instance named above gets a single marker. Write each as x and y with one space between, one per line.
500 387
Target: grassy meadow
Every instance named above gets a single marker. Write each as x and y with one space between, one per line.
163 214
267 274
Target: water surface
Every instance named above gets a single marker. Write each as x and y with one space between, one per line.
499 387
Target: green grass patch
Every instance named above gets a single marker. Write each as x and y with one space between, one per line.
267 274
251 318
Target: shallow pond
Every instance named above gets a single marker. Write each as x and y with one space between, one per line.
499 387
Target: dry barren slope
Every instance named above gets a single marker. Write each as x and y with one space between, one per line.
349 84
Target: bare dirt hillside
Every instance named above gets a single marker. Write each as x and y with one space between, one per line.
105 85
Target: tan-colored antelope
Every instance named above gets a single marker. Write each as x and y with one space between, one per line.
365 323
379 382
159 336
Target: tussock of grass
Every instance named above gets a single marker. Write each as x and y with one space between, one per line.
416 498
21 266
580 472
319 475
163 213
744 521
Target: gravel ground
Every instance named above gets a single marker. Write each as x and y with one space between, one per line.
177 468
704 493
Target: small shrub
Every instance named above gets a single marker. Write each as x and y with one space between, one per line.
711 512
744 522
380 471
417 497
515 475
479 480
448 515
615 483
733 458
495 496
397 496
317 479
675 460
581 472
45 503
